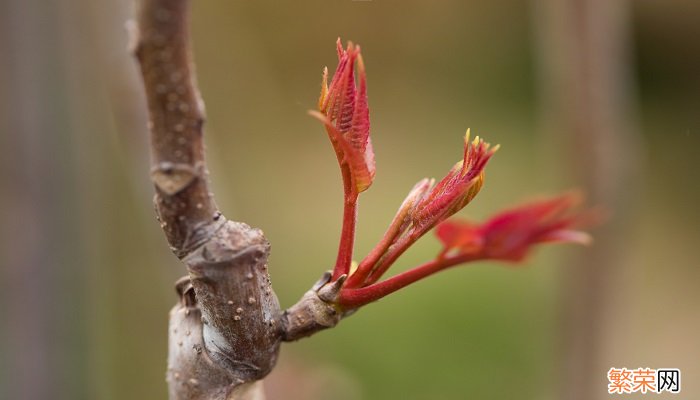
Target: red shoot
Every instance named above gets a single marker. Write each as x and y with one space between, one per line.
456 189
429 205
508 236
344 112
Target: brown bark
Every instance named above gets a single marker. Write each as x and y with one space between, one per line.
225 332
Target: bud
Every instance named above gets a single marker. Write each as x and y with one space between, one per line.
343 109
458 188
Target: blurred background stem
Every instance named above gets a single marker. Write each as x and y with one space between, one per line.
586 80
39 209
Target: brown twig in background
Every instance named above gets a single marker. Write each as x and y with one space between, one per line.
586 80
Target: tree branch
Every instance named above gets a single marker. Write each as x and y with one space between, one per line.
184 205
225 333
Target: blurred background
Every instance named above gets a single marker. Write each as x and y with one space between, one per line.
594 94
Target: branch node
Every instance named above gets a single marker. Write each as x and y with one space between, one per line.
329 293
315 311
325 278
172 178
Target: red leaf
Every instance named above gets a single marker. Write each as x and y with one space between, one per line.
511 234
